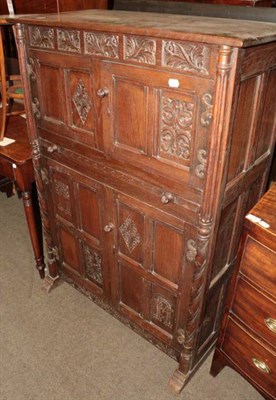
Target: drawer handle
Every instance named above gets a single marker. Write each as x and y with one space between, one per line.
103 92
109 227
271 324
166 198
261 365
52 148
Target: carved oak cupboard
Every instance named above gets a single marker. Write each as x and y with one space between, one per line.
152 136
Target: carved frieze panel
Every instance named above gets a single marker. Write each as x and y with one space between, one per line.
185 56
42 37
130 234
81 101
176 127
69 40
163 310
101 44
139 49
93 264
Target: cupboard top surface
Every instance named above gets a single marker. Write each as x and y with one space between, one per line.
238 33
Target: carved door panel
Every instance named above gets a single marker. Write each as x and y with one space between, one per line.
158 120
148 264
63 94
79 214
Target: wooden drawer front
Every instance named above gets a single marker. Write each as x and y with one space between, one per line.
256 311
258 264
244 351
153 194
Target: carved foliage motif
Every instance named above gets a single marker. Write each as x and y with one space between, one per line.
200 168
63 191
191 250
69 40
163 311
176 127
93 264
185 56
130 234
42 37
31 69
100 44
81 101
36 108
141 50
206 116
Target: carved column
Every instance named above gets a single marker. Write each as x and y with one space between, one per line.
198 252
41 178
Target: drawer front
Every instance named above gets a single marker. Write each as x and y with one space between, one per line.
162 197
256 361
258 264
256 311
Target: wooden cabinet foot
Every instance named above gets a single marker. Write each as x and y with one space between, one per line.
50 283
177 382
218 363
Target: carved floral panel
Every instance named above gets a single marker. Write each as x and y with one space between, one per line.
42 37
163 311
101 44
93 264
62 200
176 128
130 234
69 40
139 49
185 56
81 101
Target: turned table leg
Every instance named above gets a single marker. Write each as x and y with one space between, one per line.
34 229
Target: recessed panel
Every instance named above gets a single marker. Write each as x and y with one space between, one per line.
89 210
130 116
53 98
69 248
131 288
167 252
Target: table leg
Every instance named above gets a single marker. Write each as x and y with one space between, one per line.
34 230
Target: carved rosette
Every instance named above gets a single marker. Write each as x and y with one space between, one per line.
141 50
42 37
176 127
206 116
81 101
93 264
100 44
163 311
62 189
200 168
69 40
185 56
130 234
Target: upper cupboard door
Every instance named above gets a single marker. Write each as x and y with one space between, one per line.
63 96
157 120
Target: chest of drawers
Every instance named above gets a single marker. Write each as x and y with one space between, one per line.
152 136
247 340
